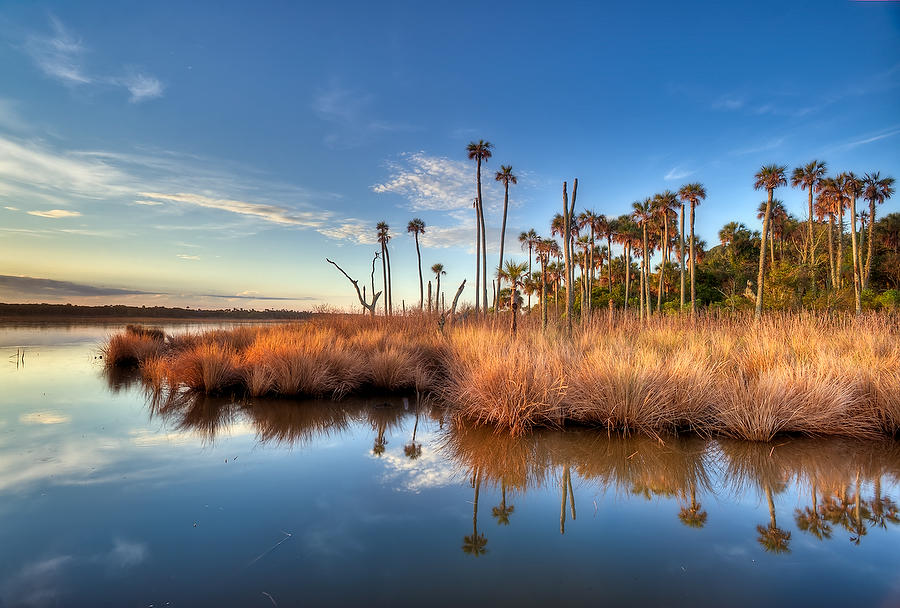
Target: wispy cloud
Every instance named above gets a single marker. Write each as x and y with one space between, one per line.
270 213
60 54
349 111
55 213
772 144
871 138
728 102
677 173
184 256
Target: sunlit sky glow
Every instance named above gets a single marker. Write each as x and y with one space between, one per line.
211 155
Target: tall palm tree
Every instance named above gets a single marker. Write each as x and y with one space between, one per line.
417 227
643 214
809 519
544 249
624 235
438 270
506 177
693 194
606 227
475 544
502 511
515 274
663 205
384 237
693 516
772 538
480 152
853 188
777 215
830 198
876 190
529 239
768 178
808 177
588 219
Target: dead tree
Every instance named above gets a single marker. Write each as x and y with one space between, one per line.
447 315
359 294
568 221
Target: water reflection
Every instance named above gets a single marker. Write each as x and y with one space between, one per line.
844 477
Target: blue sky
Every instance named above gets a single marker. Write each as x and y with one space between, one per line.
212 154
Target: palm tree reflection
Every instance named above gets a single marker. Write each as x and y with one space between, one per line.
475 544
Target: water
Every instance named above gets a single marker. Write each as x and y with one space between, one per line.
111 498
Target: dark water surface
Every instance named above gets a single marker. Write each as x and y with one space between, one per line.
109 497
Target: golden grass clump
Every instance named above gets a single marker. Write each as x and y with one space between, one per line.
729 376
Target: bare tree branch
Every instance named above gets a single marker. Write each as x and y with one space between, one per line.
362 300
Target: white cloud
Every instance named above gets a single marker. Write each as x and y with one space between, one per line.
184 256
764 147
142 87
433 182
11 208
44 418
269 213
352 230
350 115
148 203
55 213
9 116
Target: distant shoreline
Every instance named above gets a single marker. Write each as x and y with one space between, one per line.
119 313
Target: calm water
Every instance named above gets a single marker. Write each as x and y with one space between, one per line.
109 497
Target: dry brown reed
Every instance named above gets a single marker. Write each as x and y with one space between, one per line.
730 376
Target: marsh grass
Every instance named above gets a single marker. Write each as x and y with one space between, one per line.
728 376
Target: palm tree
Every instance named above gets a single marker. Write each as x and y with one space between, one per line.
383 238
589 219
768 178
417 227
607 228
772 538
529 239
515 274
502 511
692 193
663 205
475 544
853 188
808 177
777 215
692 516
438 270
876 190
504 175
642 214
544 248
413 449
480 152
830 198
810 519
624 235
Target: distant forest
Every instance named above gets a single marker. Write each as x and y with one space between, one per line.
37 311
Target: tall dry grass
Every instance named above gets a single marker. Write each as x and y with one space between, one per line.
729 376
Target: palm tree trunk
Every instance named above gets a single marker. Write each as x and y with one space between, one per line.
762 255
839 261
642 290
831 264
390 290
437 303
543 294
646 283
662 265
502 237
772 249
421 283
512 307
869 245
856 276
627 260
609 262
384 278
811 245
772 523
529 275
478 250
429 297
681 254
693 279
